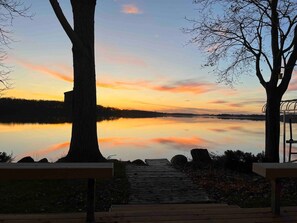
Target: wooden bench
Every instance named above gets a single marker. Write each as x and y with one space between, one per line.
90 171
273 172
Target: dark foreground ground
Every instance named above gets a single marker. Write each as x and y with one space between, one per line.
222 186
61 196
242 189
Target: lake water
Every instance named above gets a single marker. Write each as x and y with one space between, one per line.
129 139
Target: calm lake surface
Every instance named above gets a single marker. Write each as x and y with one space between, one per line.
129 139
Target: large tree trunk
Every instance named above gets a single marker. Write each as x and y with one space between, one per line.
272 125
84 143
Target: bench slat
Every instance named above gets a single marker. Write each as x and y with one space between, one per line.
275 170
13 171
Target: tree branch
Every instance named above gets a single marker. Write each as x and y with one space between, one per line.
275 38
259 73
76 42
290 65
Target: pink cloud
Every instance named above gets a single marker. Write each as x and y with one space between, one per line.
131 9
174 87
218 130
212 48
186 86
236 105
218 102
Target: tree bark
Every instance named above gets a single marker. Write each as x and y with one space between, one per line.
84 143
272 125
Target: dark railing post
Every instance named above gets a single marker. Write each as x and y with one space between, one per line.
275 196
91 201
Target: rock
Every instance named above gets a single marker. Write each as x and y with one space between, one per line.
138 162
44 160
113 160
27 159
179 160
201 158
62 160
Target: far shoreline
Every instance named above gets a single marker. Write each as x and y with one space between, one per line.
50 112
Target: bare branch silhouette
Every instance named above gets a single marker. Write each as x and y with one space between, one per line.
9 10
244 37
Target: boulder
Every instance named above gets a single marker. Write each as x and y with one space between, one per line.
44 160
201 157
62 160
27 159
179 160
138 162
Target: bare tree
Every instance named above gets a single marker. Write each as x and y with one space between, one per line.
9 10
245 36
84 143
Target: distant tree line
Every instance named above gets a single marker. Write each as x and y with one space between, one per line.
241 116
42 111
20 110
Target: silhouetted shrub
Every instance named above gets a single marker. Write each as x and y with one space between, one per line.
44 160
237 160
138 162
5 158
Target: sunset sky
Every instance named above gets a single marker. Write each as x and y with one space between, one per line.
143 60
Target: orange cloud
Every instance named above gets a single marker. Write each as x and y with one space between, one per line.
183 86
124 85
131 9
113 85
45 70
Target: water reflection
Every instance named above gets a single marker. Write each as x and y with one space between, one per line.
129 139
